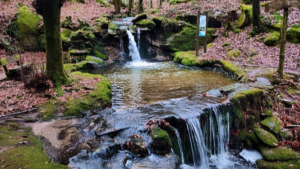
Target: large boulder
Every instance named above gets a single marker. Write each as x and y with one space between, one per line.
161 142
266 137
272 39
146 24
278 154
27 28
139 17
293 35
272 124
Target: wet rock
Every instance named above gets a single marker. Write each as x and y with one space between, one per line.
215 92
286 134
278 154
61 139
287 102
170 161
261 164
139 17
272 124
262 83
88 65
161 142
266 137
137 146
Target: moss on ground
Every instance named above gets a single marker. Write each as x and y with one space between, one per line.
272 124
234 69
187 58
234 53
97 53
146 23
28 155
272 39
268 113
266 137
278 154
293 164
293 35
47 111
70 67
251 135
99 97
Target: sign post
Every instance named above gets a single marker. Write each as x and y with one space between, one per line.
202 30
276 6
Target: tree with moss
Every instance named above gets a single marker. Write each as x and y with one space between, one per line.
50 10
257 24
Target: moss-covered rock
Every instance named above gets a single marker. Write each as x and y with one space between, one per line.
112 29
277 26
28 155
99 97
234 69
66 38
139 17
245 17
173 2
47 111
26 28
67 23
94 59
251 135
278 154
248 143
234 53
272 124
146 23
293 35
161 142
98 52
70 67
187 58
272 39
266 137
103 3
267 113
293 164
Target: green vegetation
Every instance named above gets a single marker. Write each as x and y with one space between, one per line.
278 154
173 2
99 97
272 124
112 28
146 23
160 140
103 3
293 164
187 58
272 39
268 112
293 35
234 53
266 137
97 52
245 17
47 111
90 58
231 68
28 155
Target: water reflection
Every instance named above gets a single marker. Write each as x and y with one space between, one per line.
139 83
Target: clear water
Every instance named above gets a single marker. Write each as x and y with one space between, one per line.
136 84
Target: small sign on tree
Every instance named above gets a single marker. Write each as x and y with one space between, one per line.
276 6
202 30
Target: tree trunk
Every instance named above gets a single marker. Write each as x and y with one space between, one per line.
117 4
283 42
54 66
130 6
257 24
141 9
160 2
151 4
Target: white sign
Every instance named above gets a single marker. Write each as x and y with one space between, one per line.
202 26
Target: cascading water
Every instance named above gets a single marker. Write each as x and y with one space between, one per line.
139 38
179 145
211 141
133 50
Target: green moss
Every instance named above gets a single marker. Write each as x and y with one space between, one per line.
251 135
112 28
100 55
278 154
3 61
99 97
26 23
234 53
103 3
89 58
70 67
272 124
209 45
146 23
245 17
66 35
30 155
187 58
226 44
272 39
155 11
173 2
47 111
242 136
266 137
139 17
293 35
237 30
268 113
160 140
231 68
293 164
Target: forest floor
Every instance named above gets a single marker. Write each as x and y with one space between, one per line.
16 98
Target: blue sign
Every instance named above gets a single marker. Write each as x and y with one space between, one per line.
202 26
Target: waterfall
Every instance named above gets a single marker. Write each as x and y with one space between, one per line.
133 50
121 44
179 145
211 141
139 38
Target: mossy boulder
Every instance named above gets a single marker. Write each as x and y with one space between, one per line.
146 23
112 29
245 17
266 137
267 113
272 39
293 35
234 69
293 164
94 59
103 22
251 135
161 143
173 2
139 17
67 23
187 58
47 111
186 39
277 26
286 134
234 53
98 52
99 97
66 38
272 124
278 154
70 67
27 28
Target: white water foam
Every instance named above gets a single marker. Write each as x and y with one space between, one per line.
251 155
